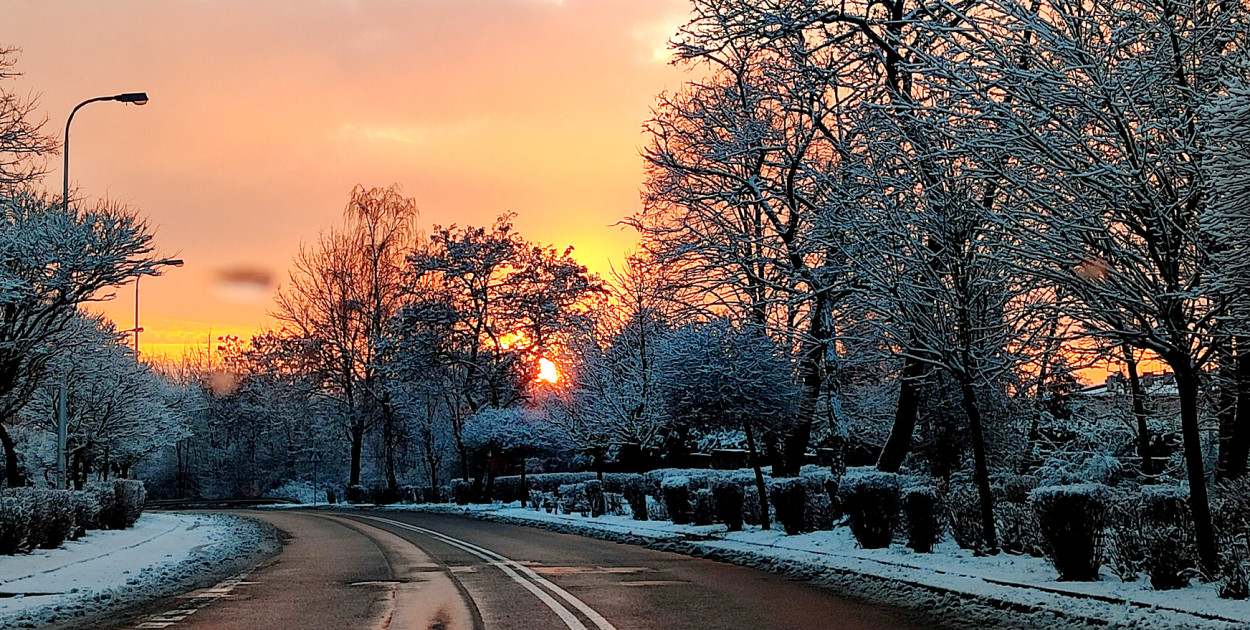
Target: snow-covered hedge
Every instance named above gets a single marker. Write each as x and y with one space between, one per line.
727 497
676 493
789 498
920 506
871 500
33 518
1071 520
1167 536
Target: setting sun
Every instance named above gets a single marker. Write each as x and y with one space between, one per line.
547 371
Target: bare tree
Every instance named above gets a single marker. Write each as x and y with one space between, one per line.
344 293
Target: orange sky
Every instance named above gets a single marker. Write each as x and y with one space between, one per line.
263 115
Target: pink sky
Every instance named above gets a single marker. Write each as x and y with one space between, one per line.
263 115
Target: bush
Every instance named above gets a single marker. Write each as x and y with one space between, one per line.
871 500
702 507
789 499
614 504
58 522
676 492
817 507
131 497
920 505
1167 538
594 496
1014 518
460 491
573 498
356 493
1071 520
105 496
1125 555
963 516
15 520
635 492
727 497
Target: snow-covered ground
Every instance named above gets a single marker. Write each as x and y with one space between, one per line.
953 585
163 554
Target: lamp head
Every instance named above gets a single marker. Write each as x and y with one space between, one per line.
138 98
174 262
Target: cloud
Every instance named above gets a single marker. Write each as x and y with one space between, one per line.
404 134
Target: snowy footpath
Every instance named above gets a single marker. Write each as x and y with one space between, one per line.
952 585
106 571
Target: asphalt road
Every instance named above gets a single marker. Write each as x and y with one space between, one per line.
385 570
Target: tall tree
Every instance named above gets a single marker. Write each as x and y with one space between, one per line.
344 293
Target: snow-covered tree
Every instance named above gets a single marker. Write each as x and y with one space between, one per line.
53 260
1089 112
22 143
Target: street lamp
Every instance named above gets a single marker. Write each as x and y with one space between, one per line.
62 424
173 262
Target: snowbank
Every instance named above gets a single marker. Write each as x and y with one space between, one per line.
951 585
105 571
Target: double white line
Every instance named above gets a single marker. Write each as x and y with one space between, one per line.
511 568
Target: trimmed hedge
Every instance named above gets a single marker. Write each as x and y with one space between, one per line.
789 499
872 502
34 518
1071 520
676 493
1167 537
728 498
920 505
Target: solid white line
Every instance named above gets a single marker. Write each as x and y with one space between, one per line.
585 609
565 615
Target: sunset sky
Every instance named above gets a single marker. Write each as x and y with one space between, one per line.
264 115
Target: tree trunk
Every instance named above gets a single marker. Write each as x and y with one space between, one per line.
1240 445
899 442
812 368
358 443
389 438
12 473
1227 466
1138 396
1200 508
754 454
981 473
525 492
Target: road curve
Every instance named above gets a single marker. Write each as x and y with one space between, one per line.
408 570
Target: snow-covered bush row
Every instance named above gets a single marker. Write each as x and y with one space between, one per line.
33 518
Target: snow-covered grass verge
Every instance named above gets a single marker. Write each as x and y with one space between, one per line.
106 571
951 585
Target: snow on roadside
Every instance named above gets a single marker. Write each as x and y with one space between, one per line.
163 554
951 585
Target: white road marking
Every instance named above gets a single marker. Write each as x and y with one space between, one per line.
507 565
197 600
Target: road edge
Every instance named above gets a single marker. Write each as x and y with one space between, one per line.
202 569
947 607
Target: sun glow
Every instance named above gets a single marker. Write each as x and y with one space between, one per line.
547 371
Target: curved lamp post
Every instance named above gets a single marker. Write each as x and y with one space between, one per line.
62 423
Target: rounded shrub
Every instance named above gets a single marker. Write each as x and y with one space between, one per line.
635 491
702 507
460 491
963 516
1167 538
594 497
920 506
15 517
1071 520
789 498
871 500
728 496
676 491
58 522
